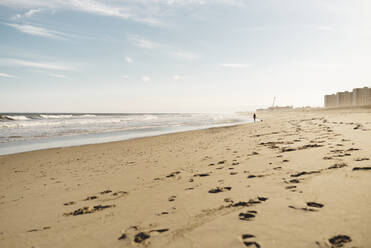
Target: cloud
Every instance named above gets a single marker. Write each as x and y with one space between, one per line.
124 77
5 75
61 76
143 42
148 12
99 8
28 14
185 55
129 60
38 31
31 12
146 79
236 65
32 64
193 2
123 10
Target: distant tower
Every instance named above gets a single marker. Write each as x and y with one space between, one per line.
274 101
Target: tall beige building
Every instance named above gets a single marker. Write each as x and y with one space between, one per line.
358 97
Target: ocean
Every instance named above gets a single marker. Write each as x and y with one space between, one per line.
21 132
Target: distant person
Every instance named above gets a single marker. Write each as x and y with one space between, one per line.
254 116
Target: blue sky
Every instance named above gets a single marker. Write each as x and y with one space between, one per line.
179 55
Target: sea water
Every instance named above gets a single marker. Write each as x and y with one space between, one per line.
20 132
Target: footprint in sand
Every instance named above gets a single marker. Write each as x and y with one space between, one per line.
287 149
249 215
202 175
304 209
361 168
327 158
335 242
304 173
69 203
290 187
122 237
142 236
235 162
246 237
90 198
219 189
339 240
249 203
311 207
337 165
89 210
315 204
37 230
358 126
172 198
361 159
173 174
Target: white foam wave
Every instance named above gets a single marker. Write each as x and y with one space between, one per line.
56 116
150 117
17 117
65 122
33 126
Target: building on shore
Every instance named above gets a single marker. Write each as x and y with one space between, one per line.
330 101
357 98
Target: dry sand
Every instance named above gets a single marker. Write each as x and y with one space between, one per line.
289 181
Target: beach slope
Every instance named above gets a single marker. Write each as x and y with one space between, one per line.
296 179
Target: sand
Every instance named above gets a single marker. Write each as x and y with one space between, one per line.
296 179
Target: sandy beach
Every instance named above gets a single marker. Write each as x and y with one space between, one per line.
296 179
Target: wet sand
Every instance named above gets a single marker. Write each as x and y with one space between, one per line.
297 179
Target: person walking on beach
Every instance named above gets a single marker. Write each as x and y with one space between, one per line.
254 116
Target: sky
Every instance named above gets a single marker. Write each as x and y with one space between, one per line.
179 55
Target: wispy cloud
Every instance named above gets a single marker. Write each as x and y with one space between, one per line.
123 10
124 77
236 65
5 75
186 55
31 12
99 8
149 12
193 2
146 79
143 42
28 14
33 64
61 76
129 60
38 31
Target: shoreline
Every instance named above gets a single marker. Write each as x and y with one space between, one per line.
77 140
297 179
